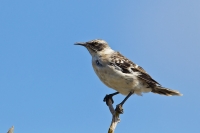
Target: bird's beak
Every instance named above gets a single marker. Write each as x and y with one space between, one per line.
81 43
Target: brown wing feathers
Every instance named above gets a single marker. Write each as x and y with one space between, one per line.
127 66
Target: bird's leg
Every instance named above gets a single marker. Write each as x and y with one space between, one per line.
107 97
119 108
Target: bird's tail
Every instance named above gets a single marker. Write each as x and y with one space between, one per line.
165 91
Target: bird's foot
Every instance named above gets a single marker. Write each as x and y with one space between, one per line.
107 98
119 109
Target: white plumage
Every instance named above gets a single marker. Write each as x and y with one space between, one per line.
121 74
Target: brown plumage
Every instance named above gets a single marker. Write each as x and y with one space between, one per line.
128 66
121 74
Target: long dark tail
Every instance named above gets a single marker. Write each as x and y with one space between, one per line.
165 91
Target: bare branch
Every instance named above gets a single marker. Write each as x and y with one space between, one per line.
11 130
115 117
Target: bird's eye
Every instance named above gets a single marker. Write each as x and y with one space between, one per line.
96 44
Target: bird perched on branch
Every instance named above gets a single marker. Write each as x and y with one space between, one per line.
121 74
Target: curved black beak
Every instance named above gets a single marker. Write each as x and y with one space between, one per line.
81 43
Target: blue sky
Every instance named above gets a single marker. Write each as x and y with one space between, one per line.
47 84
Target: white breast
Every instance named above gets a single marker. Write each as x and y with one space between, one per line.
115 79
121 82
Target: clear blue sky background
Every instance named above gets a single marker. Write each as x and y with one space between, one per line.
47 84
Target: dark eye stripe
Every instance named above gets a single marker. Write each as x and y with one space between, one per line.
92 48
96 46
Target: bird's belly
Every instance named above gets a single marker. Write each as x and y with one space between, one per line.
123 83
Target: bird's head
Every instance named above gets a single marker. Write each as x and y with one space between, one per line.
95 46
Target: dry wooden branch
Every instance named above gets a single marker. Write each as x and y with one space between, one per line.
115 117
11 130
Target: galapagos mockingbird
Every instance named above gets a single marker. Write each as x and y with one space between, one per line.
121 74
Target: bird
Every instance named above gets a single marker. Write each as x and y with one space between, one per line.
121 74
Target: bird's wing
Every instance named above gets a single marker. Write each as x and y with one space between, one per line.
126 66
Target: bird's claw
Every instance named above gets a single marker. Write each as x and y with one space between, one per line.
107 98
119 109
